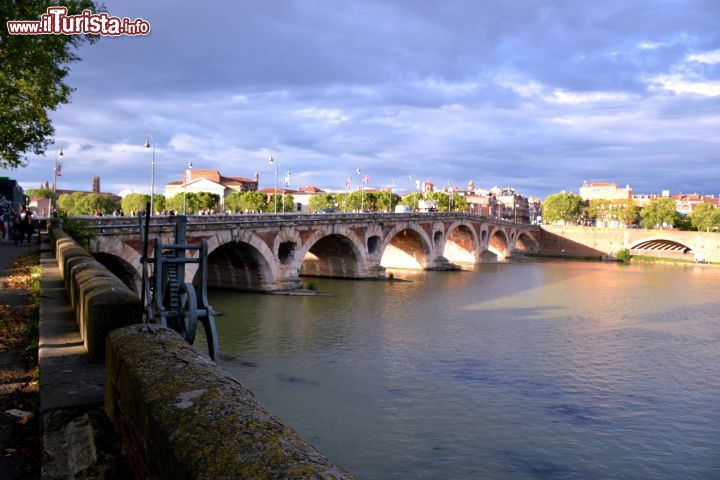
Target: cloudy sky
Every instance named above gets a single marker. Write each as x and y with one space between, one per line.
535 94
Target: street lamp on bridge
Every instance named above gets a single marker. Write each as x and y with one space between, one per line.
362 190
148 144
56 173
188 177
272 161
286 183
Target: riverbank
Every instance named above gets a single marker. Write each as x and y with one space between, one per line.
634 259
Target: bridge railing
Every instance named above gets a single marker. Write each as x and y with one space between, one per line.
109 225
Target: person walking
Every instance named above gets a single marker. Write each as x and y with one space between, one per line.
3 228
15 227
26 224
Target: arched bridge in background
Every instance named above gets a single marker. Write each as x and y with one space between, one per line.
655 246
675 244
271 252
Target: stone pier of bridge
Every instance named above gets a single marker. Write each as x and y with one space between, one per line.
272 252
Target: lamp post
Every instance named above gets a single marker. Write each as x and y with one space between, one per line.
58 154
188 176
272 161
362 190
392 188
414 188
148 138
287 184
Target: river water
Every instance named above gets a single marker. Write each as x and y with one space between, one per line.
531 370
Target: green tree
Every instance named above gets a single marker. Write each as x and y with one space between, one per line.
133 203
158 202
206 201
412 200
320 201
386 201
627 212
659 212
270 205
288 202
234 202
194 202
602 210
32 78
706 217
93 202
599 209
459 203
39 193
341 202
562 207
71 203
255 202
79 203
246 202
441 199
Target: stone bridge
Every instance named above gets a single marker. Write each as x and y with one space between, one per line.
271 252
575 240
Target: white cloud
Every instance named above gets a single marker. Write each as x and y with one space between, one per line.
680 83
450 88
522 86
579 98
651 45
330 115
186 143
705 57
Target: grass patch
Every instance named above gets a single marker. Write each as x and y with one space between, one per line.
567 256
311 286
651 259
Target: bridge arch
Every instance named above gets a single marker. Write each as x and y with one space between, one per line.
331 254
526 243
499 243
122 269
120 249
461 243
239 262
660 244
406 247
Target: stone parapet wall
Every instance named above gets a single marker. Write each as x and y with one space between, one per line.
100 300
183 417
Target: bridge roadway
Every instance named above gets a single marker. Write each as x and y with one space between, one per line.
270 252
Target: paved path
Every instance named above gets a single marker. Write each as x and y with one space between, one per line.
67 378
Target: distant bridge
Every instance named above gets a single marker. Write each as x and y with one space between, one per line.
607 241
271 252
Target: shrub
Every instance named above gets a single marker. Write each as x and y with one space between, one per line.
623 255
78 230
